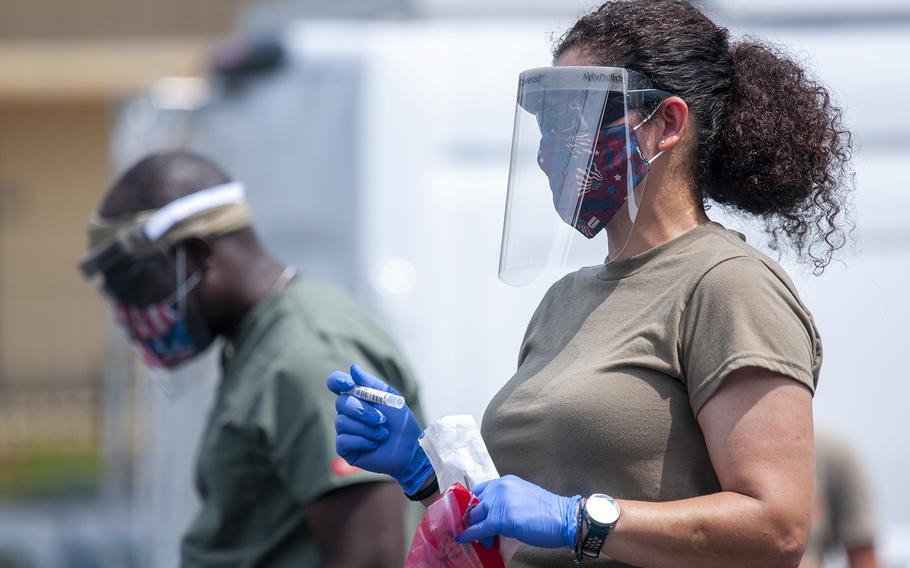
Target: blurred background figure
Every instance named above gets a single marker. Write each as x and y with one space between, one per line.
173 251
326 110
844 518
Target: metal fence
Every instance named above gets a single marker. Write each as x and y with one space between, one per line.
51 439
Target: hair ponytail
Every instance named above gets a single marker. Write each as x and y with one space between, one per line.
783 153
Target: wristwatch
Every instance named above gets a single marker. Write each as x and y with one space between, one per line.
600 513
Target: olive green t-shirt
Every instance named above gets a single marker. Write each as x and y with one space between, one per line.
269 445
843 515
618 360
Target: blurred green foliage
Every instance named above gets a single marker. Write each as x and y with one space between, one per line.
43 470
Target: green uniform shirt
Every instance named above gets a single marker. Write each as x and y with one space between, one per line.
269 445
618 360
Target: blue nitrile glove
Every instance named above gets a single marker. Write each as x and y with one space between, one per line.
512 507
376 437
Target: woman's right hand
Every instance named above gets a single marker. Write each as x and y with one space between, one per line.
376 437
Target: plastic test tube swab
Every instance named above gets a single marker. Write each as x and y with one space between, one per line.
377 396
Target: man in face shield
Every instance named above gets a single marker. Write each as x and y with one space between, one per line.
173 250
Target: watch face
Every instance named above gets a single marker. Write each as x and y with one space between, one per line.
602 509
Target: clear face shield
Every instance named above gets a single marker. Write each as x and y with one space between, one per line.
578 173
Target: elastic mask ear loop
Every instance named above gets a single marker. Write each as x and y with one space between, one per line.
181 278
640 124
633 207
184 285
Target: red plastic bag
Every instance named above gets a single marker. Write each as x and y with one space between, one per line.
434 543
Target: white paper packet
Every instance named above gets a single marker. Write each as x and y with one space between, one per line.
457 451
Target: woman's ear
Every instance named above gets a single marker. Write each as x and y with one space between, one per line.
674 115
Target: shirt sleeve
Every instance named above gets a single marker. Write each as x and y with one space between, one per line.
297 415
743 314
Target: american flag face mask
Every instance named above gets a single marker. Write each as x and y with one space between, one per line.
160 331
599 189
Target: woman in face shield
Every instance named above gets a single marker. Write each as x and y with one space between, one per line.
661 413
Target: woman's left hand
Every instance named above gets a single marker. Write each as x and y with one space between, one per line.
512 507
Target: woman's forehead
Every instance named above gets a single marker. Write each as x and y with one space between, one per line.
575 57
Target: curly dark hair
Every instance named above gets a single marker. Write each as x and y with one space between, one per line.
769 139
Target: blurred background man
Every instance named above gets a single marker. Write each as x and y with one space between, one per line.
844 517
173 250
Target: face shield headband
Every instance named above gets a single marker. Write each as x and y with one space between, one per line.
211 212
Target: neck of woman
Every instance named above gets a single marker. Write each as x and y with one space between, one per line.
663 214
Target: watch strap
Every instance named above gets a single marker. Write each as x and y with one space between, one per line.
425 493
593 540
596 531
578 527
